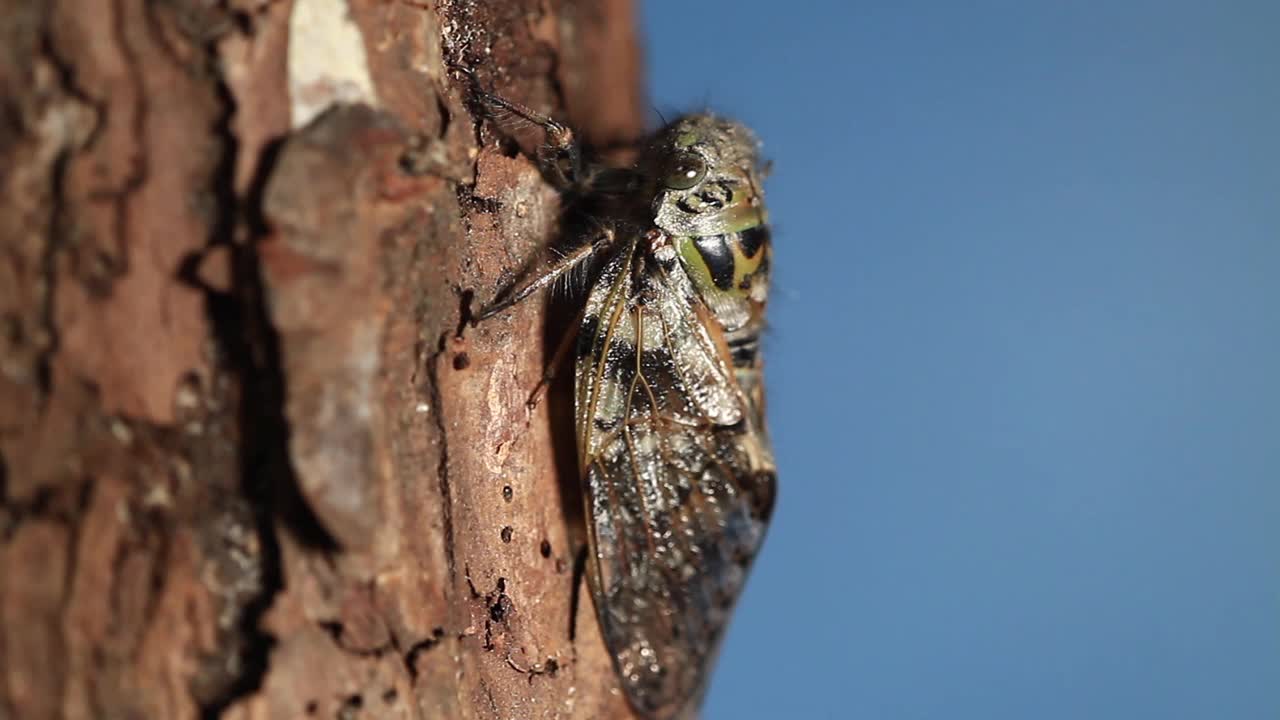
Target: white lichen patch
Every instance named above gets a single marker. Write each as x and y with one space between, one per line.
327 60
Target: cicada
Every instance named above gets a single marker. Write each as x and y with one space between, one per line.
674 456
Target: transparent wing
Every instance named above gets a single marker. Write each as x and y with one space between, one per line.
679 480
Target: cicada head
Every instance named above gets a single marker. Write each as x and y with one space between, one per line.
708 197
707 177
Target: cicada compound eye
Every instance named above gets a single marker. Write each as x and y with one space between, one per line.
684 171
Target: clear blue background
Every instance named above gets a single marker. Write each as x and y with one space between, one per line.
1024 359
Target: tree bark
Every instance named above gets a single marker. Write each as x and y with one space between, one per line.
254 462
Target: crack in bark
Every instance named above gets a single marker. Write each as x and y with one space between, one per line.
419 648
442 469
250 350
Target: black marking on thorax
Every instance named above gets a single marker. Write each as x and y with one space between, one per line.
752 239
718 256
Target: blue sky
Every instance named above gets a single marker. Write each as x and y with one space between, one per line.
1025 354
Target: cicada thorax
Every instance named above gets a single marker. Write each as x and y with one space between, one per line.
731 273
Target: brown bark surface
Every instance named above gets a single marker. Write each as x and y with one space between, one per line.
254 463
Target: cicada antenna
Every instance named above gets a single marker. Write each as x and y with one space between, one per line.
658 111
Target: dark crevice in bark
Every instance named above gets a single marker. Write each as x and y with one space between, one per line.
48 269
442 469
419 648
57 233
249 353
579 572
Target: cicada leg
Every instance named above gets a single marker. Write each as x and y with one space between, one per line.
532 281
560 156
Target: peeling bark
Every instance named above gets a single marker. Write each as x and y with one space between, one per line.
254 463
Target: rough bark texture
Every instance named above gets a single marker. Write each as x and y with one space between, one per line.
254 463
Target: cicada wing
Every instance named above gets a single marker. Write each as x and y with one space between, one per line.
679 482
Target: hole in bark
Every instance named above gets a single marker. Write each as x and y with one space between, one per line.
446 117
334 629
500 605
350 709
465 317
545 549
506 534
498 611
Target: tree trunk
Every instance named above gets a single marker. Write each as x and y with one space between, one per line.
254 462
